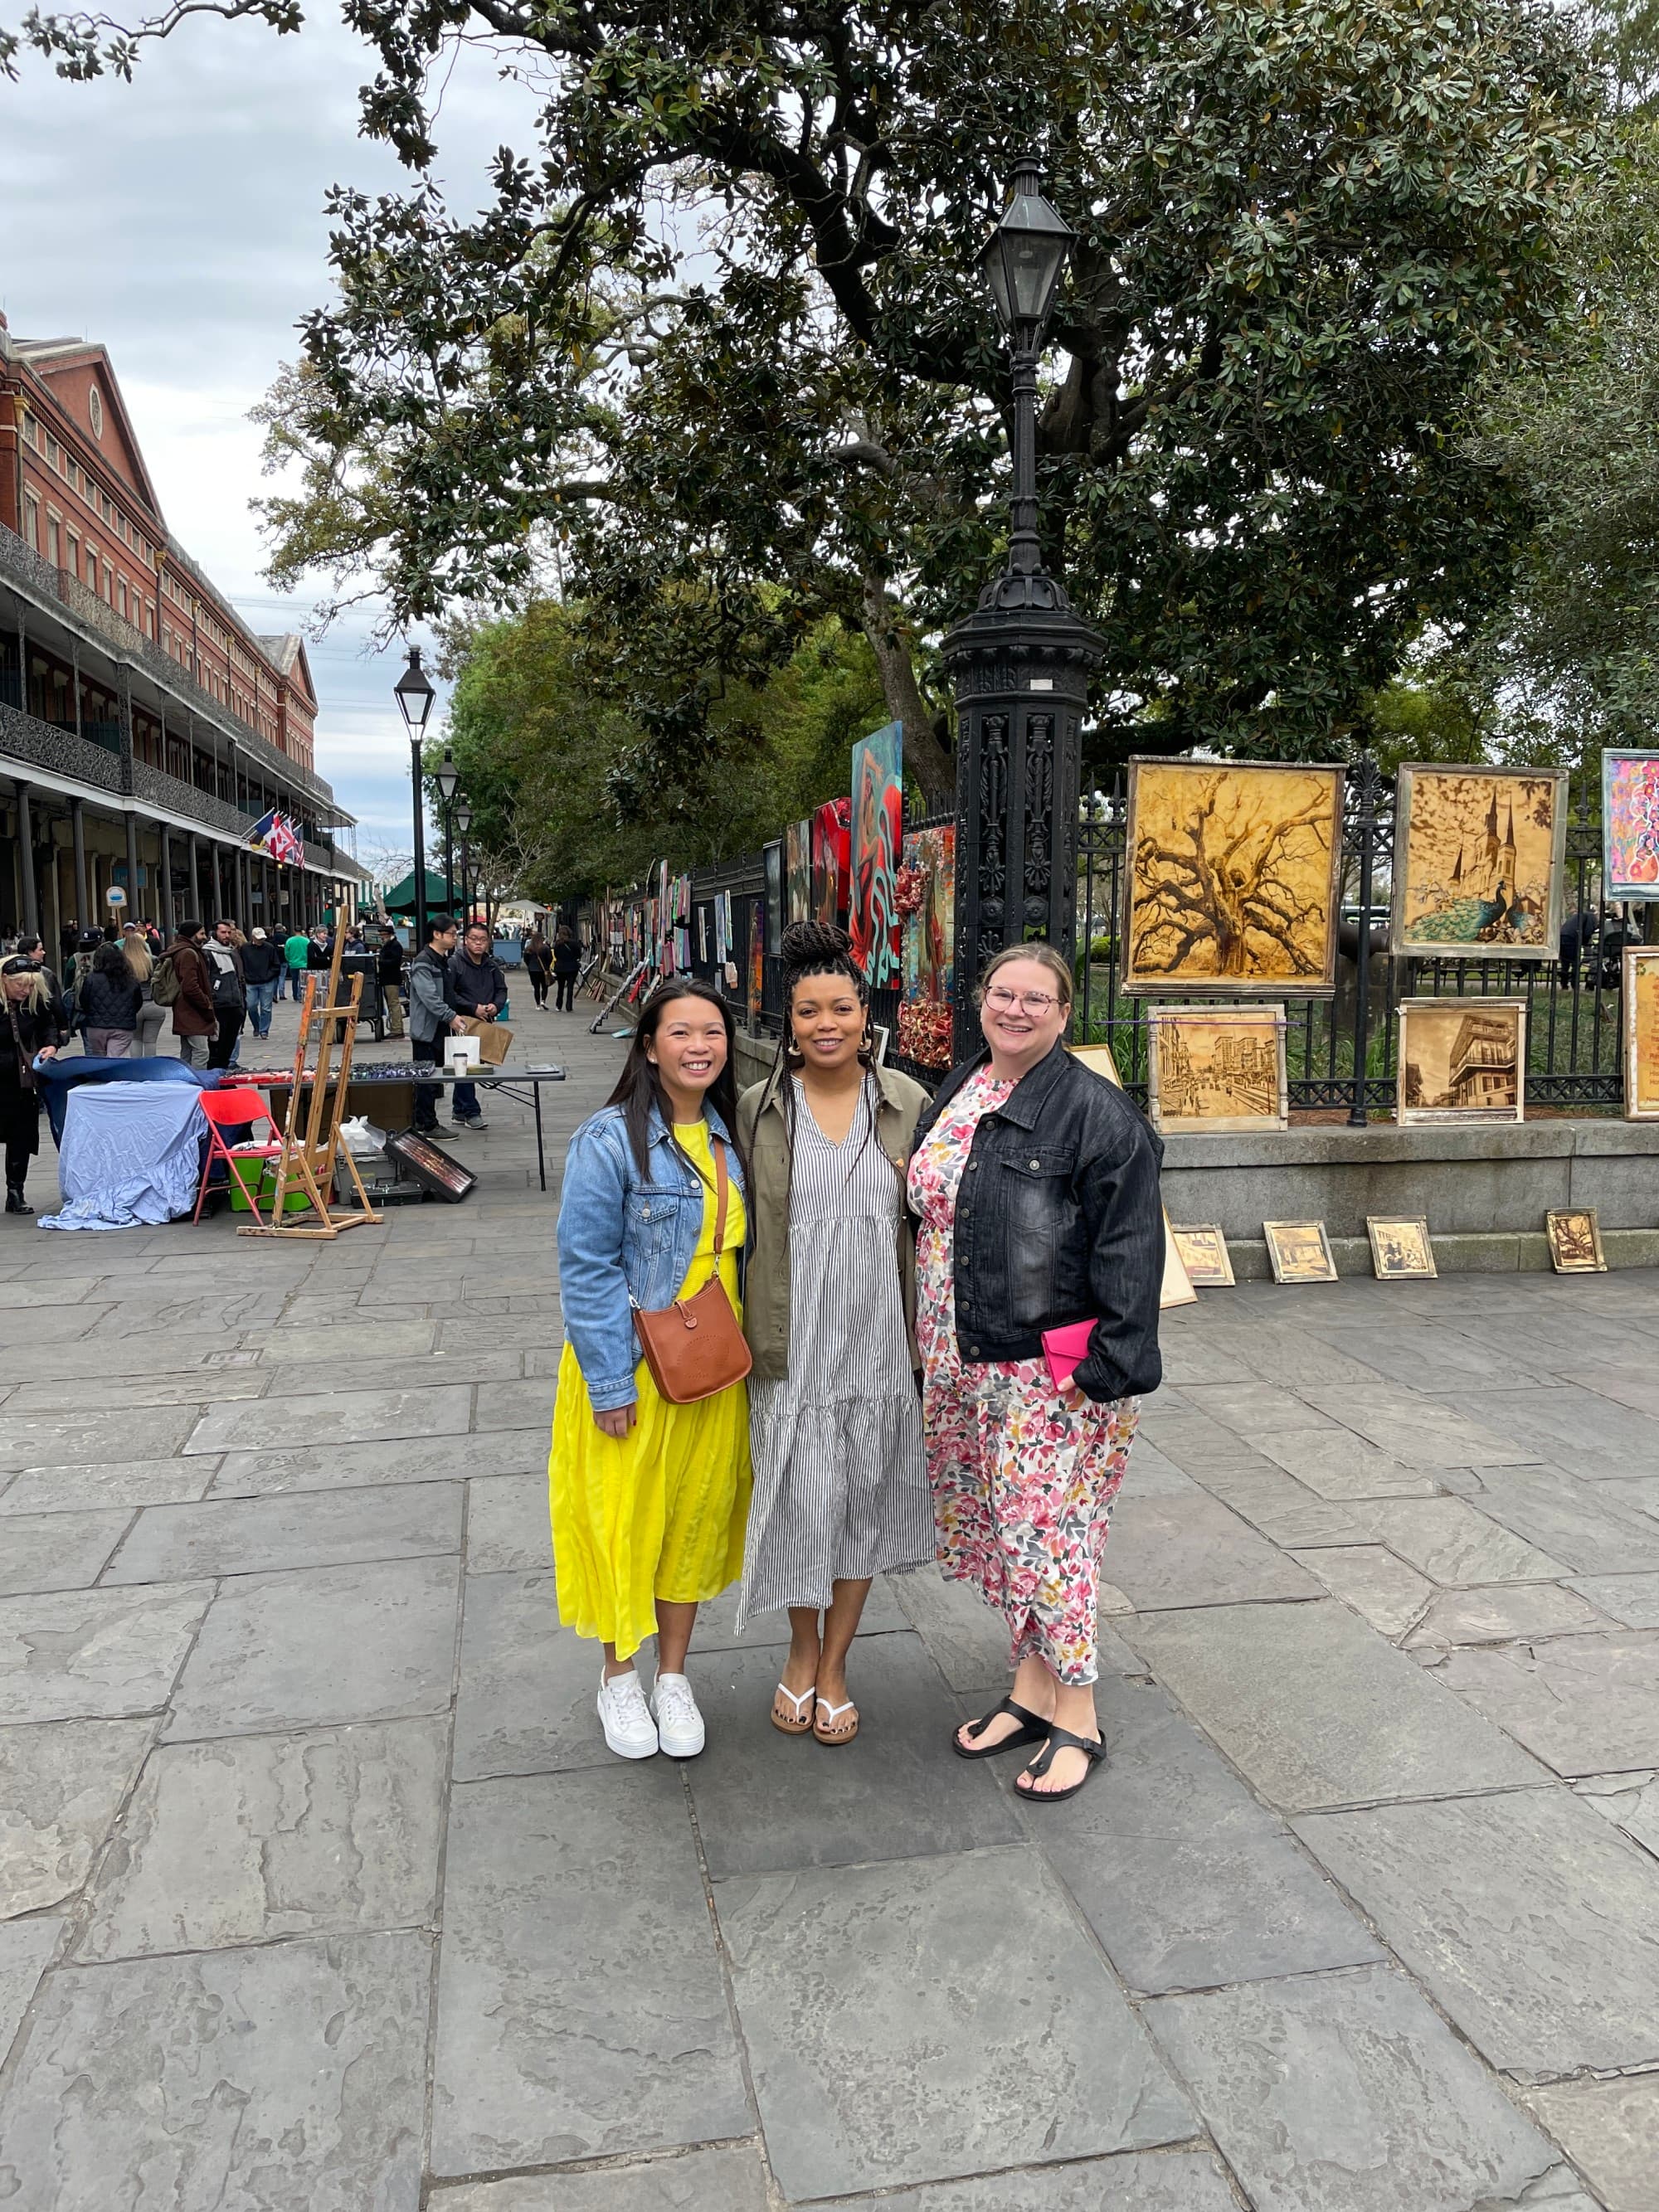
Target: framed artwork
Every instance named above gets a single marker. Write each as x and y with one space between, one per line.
1462 1060
1477 872
433 1169
831 860
1217 1068
927 897
1400 1250
1640 1015
1299 1252
797 870
878 844
1629 825
774 853
1204 1254
1575 1239
1232 878
1099 1058
757 958
702 936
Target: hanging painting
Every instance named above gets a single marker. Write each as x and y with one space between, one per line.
1230 876
797 870
1217 1068
1629 825
877 842
1641 1023
831 864
927 898
1462 1060
756 959
773 857
1478 862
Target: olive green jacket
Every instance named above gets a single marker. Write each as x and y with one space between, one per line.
766 1147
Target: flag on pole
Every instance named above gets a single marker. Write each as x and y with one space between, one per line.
274 836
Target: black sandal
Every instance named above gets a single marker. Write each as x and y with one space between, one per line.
1060 1739
1030 1731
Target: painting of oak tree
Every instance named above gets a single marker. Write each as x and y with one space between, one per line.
1231 877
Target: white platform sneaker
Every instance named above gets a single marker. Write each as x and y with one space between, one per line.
626 1718
679 1725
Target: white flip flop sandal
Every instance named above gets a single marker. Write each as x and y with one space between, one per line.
801 1723
832 1733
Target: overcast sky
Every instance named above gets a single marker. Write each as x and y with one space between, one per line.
177 219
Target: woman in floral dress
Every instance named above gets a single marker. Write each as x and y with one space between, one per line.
1035 1185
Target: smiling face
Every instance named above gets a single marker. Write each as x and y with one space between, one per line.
688 1049
827 1020
1022 1016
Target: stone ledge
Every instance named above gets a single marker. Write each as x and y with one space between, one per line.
1383 1144
1497 1253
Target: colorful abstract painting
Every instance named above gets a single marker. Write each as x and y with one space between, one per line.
878 844
927 898
1478 862
831 860
1629 825
757 958
797 870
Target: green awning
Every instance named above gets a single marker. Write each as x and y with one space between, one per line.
400 899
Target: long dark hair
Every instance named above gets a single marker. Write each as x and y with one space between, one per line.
112 961
639 1087
817 948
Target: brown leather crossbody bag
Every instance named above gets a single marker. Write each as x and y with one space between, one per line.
695 1348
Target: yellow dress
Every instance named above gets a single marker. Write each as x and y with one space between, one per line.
661 1512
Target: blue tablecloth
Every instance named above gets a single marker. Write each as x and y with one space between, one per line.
131 1154
58 1080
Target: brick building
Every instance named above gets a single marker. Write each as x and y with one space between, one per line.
143 725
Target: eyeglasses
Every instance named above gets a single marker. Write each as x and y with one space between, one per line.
1030 1002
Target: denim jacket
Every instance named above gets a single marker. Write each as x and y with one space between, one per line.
622 1238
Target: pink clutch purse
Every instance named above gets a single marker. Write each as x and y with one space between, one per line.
1063 1347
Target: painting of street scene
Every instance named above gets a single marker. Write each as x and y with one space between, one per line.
1231 877
1462 1060
1641 1017
1482 871
1216 1068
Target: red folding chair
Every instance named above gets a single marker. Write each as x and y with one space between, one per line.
235 1110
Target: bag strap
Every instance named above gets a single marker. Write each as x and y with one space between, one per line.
722 1187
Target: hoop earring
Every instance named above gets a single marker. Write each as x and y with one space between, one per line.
866 1050
792 1051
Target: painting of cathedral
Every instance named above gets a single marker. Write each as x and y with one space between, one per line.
1478 862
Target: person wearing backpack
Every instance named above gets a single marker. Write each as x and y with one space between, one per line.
182 983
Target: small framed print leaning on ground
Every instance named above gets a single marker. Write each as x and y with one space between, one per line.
1461 1060
1215 1069
1477 868
1204 1254
1400 1250
1641 1021
1575 1241
1299 1252
1232 878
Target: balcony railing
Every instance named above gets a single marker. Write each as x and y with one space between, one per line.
24 566
39 744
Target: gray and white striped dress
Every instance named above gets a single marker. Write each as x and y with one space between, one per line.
841 1477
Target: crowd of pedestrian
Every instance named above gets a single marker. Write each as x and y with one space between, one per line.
949 1307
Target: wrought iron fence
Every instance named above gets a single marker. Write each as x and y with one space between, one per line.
1341 1051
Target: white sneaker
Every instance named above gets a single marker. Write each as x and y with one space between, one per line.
623 1715
679 1725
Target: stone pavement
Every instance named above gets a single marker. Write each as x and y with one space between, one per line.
318 1889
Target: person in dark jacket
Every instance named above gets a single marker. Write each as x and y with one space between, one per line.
195 1018
478 989
566 966
110 996
389 966
537 963
1036 1184
31 1027
262 963
432 1015
224 964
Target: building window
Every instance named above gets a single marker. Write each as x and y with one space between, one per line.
121 595
31 522
92 569
95 411
32 432
54 550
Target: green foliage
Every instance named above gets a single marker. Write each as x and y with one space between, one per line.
718 354
552 766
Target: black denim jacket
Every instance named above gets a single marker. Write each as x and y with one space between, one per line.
1058 1219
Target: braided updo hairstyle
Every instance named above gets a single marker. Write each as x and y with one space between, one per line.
816 948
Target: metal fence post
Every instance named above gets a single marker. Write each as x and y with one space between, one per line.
1367 826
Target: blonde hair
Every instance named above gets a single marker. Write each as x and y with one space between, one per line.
137 957
1045 957
39 994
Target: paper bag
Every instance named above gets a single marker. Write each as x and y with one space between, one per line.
493 1040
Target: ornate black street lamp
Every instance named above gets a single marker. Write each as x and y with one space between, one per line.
1021 661
448 779
413 694
461 813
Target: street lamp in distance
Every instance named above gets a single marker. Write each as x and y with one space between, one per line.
448 781
413 694
461 814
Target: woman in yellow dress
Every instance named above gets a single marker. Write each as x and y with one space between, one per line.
649 1499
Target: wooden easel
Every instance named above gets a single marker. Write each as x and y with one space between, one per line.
309 1155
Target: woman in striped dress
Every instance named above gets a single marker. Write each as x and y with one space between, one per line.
841 1492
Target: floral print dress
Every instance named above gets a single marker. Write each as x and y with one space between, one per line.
1022 1485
